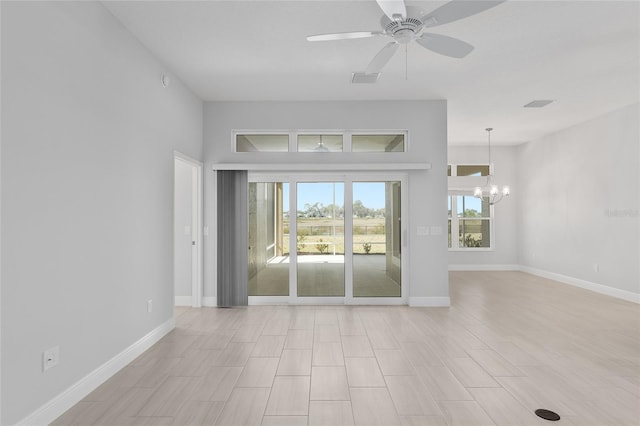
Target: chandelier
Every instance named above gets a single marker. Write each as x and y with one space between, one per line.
490 190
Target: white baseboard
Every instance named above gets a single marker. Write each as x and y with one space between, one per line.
210 301
183 301
462 267
587 285
268 300
76 392
431 302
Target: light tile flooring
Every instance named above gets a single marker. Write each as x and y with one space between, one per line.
509 344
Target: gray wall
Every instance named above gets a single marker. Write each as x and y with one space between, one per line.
579 192
427 124
88 135
505 253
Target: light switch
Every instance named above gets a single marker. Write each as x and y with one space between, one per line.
436 230
423 231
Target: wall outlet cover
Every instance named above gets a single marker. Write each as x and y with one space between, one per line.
50 358
423 231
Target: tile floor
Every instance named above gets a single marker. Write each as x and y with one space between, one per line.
509 344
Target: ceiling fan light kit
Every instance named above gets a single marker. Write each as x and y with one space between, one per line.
404 24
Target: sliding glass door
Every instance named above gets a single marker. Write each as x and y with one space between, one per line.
376 239
323 240
320 239
268 239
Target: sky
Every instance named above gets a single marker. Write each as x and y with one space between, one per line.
370 193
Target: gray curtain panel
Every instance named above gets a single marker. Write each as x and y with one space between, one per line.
233 241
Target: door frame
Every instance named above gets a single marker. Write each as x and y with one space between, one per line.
293 178
196 228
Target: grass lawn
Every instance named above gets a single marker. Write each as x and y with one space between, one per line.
316 235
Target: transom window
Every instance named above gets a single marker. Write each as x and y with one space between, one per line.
468 170
320 141
276 142
377 143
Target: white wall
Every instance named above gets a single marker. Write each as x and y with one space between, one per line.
579 192
183 214
88 135
427 124
505 247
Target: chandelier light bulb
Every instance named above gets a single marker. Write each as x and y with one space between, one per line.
506 191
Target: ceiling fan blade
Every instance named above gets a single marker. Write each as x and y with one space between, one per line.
343 36
457 9
445 45
381 59
394 9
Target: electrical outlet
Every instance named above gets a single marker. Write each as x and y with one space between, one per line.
149 305
50 358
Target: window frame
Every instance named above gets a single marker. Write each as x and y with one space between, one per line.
346 139
453 221
236 133
404 133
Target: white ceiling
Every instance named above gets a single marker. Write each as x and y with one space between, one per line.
584 55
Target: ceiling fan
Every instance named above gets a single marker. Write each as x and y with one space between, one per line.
404 24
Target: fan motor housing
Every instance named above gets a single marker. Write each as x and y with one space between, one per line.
403 31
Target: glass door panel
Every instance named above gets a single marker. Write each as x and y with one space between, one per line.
320 238
376 239
268 239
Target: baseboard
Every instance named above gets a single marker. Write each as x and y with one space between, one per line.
462 267
268 300
587 285
210 301
183 301
74 394
431 302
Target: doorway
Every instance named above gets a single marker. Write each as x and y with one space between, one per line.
326 239
187 234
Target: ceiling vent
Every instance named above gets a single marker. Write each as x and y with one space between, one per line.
538 104
363 77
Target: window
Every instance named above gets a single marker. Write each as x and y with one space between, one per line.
470 222
319 141
377 143
468 170
470 218
262 142
472 170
